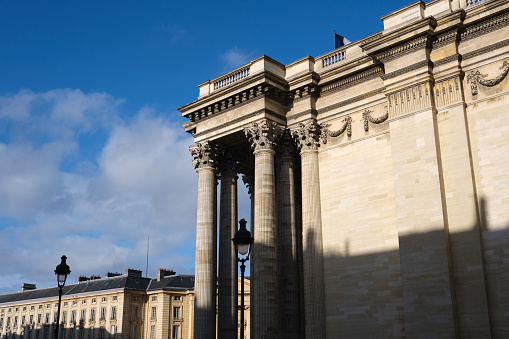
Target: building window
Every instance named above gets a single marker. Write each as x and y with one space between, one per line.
135 313
15 321
112 333
114 313
74 303
31 308
8 322
73 317
23 321
83 314
152 332
176 313
93 300
47 318
103 313
104 299
17 309
115 298
39 318
92 314
64 317
177 298
1 322
135 332
136 298
55 317
176 332
91 333
48 306
40 307
31 319
84 301
154 312
24 308
154 298
65 303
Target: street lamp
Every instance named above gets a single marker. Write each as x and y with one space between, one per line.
62 271
243 242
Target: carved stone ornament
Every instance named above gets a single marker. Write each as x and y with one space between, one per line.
347 126
366 115
308 136
477 78
204 155
264 135
248 180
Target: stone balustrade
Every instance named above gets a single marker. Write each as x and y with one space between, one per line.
231 78
333 58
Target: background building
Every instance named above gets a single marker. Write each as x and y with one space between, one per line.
378 176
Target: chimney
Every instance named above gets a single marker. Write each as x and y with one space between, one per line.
27 287
95 277
161 273
111 274
132 272
82 279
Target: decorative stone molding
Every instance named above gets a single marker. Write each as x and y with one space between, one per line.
486 49
445 38
410 99
264 135
366 115
476 77
308 136
407 69
204 155
353 80
347 126
485 26
402 49
311 111
446 60
447 91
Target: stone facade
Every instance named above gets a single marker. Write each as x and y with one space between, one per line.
387 209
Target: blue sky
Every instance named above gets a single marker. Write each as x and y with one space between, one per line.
92 156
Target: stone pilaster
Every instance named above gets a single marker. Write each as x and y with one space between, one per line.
287 239
206 244
263 137
227 271
308 141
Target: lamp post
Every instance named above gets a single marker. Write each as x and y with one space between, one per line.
62 271
243 242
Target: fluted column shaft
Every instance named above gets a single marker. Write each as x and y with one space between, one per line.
263 139
206 244
287 238
249 182
227 277
314 287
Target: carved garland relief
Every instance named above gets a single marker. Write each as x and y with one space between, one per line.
477 78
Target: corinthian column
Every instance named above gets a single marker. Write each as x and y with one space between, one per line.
227 299
206 243
287 241
263 137
308 140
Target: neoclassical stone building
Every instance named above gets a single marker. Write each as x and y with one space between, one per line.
379 182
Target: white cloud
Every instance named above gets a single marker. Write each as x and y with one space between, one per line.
100 218
235 57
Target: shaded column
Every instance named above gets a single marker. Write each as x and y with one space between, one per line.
287 240
206 243
308 141
263 137
227 298
249 182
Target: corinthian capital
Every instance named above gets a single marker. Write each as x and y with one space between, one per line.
308 136
264 135
204 155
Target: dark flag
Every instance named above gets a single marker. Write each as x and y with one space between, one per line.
340 41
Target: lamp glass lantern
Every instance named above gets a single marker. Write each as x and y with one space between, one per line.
243 240
62 271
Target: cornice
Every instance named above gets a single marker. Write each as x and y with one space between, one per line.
407 69
445 38
303 113
403 49
485 26
446 60
352 80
